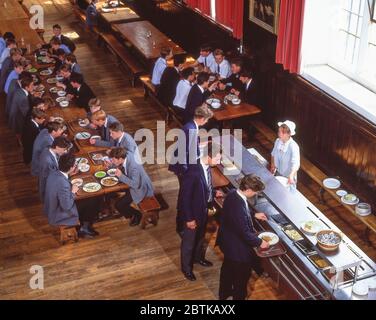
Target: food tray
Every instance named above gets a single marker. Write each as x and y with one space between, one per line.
317 259
97 162
86 179
305 247
273 251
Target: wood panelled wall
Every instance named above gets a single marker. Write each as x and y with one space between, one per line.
332 136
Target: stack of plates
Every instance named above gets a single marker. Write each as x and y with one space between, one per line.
331 183
350 199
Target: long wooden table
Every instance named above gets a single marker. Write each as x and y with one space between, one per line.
71 115
120 15
11 10
149 48
229 112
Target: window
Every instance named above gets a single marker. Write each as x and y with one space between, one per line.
339 51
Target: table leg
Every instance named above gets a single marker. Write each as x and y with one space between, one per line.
321 195
366 236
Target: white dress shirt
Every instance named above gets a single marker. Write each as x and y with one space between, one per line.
159 67
55 156
248 84
182 92
206 61
224 68
36 123
244 198
65 174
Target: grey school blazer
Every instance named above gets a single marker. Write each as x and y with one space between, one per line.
127 142
19 109
136 178
43 140
14 85
47 164
59 205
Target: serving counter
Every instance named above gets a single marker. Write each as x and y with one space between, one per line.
296 271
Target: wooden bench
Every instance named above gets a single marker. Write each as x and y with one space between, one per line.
149 208
318 176
123 56
68 233
81 16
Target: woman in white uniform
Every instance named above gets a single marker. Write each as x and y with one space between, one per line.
286 155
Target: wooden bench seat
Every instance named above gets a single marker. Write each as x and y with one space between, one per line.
318 176
123 56
149 208
68 233
81 16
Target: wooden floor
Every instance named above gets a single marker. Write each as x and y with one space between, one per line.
123 262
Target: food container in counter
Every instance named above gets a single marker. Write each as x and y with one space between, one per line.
318 261
328 240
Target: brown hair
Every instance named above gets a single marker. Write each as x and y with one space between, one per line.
165 51
71 58
38 114
54 126
55 41
15 51
203 112
252 182
118 153
65 68
116 126
218 52
99 115
94 102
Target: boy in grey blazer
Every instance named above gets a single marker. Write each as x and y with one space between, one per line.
102 122
130 172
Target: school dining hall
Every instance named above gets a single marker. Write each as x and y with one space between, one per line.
188 150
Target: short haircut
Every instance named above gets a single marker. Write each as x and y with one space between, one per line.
56 26
24 75
9 35
118 153
60 52
66 162
116 127
25 82
71 58
77 78
10 41
252 182
61 142
238 62
94 102
165 51
99 115
218 52
38 114
18 64
179 59
49 101
187 72
55 41
65 68
246 73
15 51
203 112
54 126
202 78
205 47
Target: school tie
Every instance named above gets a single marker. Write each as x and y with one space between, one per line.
206 63
218 69
210 185
122 169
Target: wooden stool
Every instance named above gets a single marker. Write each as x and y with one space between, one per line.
149 208
68 233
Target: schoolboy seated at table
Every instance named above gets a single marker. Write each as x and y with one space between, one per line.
249 92
132 173
60 59
57 31
31 129
182 90
65 72
71 60
8 66
15 73
56 44
119 138
233 81
102 122
169 81
221 66
160 65
10 44
206 58
82 92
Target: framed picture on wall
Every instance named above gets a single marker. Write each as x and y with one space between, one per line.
265 13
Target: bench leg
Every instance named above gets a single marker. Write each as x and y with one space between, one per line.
146 93
321 195
149 217
366 235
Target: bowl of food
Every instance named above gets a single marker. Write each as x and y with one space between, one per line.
111 172
59 78
84 167
328 240
64 103
363 209
236 101
61 93
100 174
77 182
83 122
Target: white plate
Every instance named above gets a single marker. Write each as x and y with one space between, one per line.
331 183
83 135
78 182
341 193
46 72
116 181
54 89
60 99
111 172
351 203
315 227
97 157
360 289
61 93
82 161
64 104
83 122
273 241
96 137
236 101
84 167
51 80
91 187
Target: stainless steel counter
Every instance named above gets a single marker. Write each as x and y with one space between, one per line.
297 209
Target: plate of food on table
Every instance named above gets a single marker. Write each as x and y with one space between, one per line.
311 227
54 89
83 135
109 181
46 72
91 187
214 103
51 80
